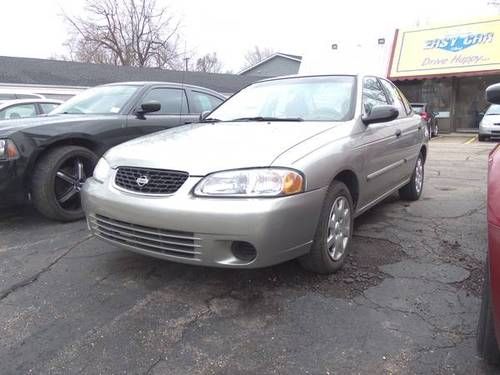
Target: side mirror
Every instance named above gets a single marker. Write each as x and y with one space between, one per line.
493 94
380 113
204 114
148 107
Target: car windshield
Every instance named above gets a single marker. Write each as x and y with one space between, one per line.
322 98
493 110
98 100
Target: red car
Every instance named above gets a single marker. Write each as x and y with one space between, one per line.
488 335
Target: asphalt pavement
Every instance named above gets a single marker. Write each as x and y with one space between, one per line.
407 301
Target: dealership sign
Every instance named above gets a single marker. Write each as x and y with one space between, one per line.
449 50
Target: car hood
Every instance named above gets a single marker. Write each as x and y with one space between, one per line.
204 148
10 126
490 119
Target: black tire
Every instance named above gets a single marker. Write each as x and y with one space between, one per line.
320 259
487 345
45 186
435 131
481 138
410 192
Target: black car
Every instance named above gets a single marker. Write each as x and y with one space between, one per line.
429 116
48 158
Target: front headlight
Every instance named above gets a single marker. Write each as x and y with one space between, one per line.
8 150
259 182
101 170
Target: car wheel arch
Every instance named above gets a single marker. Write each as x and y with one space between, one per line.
71 141
351 180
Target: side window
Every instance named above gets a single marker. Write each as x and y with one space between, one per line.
204 102
373 94
48 107
18 111
394 97
405 101
173 101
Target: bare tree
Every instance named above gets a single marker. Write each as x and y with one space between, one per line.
209 63
125 32
256 55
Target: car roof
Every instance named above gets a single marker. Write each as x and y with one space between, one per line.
8 103
155 83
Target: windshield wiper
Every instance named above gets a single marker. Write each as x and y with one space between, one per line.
210 119
262 118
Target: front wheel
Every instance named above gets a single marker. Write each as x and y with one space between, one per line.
57 180
334 232
413 190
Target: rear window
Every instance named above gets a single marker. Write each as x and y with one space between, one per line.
418 108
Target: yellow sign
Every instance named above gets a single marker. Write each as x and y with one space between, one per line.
450 50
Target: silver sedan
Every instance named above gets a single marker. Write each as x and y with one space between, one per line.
279 171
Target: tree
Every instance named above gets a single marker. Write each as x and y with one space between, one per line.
125 32
208 63
256 55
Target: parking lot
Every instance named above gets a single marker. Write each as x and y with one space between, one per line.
406 302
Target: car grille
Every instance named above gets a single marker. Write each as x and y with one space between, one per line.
180 244
154 181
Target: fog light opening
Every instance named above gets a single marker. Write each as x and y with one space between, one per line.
243 251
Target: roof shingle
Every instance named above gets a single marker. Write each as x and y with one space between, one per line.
23 70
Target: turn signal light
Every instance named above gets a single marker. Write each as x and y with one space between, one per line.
293 183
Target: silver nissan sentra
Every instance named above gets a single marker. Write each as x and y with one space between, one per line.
278 171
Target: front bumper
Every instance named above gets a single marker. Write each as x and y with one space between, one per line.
11 183
194 230
489 130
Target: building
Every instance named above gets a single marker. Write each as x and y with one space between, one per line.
63 79
278 64
450 67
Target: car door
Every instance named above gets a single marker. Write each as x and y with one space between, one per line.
410 130
174 111
414 134
382 157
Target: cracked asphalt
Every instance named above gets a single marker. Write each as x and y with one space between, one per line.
406 303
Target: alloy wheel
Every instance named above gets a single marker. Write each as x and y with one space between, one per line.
339 228
69 180
419 175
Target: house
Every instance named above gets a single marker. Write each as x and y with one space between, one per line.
278 64
63 79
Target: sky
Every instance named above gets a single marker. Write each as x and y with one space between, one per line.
35 28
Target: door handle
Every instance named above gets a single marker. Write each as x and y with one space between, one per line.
398 133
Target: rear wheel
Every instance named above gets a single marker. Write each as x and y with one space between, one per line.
413 190
436 130
57 180
486 341
334 232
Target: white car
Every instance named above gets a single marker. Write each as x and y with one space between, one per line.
489 127
22 108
